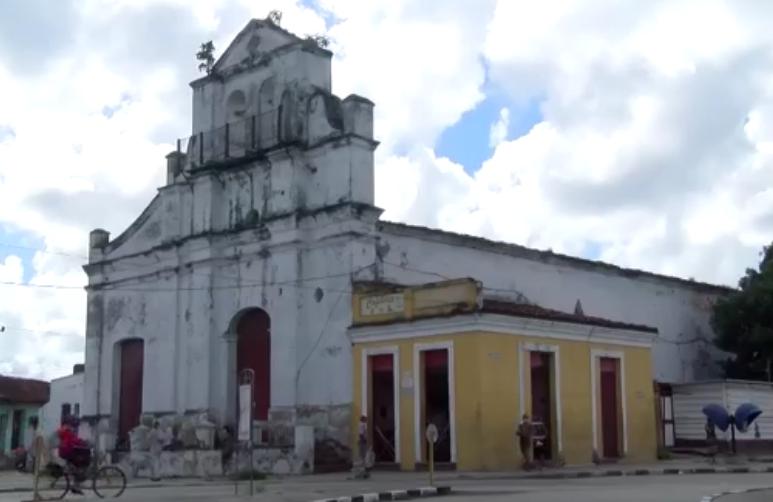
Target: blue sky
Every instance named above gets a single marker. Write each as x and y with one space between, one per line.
21 244
467 141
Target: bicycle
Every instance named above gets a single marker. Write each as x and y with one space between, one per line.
54 481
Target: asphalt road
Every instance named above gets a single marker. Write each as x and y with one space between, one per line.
684 488
687 488
753 496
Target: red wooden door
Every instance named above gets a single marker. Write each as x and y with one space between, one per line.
609 407
130 404
253 351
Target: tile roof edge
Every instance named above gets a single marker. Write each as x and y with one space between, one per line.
541 254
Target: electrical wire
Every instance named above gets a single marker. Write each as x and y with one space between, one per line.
44 251
296 283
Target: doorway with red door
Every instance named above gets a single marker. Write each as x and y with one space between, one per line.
609 370
253 352
131 371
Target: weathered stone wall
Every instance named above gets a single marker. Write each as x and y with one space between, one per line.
285 231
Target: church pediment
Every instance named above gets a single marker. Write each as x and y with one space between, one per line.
257 39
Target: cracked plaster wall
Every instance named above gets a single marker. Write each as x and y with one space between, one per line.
680 313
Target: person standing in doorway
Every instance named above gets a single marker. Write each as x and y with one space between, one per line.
525 433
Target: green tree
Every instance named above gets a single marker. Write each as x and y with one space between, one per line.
206 55
743 322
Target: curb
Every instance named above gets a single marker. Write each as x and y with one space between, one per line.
670 471
410 493
20 489
711 498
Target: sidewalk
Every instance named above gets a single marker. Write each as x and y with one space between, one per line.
12 481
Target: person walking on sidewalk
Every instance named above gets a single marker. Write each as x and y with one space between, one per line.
363 451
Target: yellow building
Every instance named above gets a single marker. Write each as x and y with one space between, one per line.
442 353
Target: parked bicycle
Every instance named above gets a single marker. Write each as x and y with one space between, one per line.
55 481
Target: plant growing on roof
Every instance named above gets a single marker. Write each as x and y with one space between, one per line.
206 55
275 16
321 40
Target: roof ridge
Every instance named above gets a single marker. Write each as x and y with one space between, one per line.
622 271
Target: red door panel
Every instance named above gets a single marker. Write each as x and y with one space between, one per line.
130 404
609 407
253 352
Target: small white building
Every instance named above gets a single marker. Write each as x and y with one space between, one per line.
689 420
65 399
245 259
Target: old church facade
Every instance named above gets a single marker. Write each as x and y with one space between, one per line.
248 257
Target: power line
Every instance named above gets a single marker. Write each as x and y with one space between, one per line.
44 251
6 329
289 282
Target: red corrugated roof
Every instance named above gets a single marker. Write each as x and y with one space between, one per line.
537 312
23 390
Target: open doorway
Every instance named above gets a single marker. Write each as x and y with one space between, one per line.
381 412
435 402
543 402
16 429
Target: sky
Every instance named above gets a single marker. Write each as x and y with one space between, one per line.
636 133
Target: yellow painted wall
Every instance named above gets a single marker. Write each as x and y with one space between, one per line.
427 300
486 384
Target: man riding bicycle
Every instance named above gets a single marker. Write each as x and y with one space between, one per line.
73 450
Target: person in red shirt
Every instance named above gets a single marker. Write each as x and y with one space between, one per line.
73 449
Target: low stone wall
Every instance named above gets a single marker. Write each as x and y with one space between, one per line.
294 460
208 463
173 464
277 461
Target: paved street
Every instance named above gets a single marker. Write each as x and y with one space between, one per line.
752 496
682 488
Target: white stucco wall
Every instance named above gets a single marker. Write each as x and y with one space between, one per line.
64 390
285 232
689 400
678 309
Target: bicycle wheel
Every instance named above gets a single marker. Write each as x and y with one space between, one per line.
109 481
53 485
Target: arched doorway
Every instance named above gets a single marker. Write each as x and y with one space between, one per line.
131 357
253 351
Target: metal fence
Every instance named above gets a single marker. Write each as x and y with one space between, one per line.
231 141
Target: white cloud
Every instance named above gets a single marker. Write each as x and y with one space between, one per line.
654 146
498 132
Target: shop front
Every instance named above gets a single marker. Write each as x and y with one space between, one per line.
442 354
